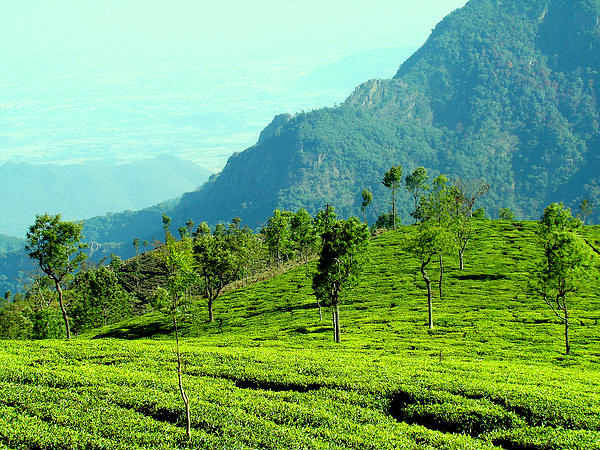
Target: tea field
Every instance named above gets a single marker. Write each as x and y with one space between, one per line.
266 374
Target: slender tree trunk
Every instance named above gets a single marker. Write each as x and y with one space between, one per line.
333 318
567 343
184 397
460 259
62 308
337 323
394 207
211 317
320 311
441 276
429 304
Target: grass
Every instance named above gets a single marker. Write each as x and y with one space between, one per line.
266 374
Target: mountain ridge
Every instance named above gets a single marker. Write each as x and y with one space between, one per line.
495 93
485 97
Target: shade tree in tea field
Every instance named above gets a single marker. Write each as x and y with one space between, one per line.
56 246
340 262
563 268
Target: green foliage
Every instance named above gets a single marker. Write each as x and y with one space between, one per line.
277 233
340 260
98 299
391 180
564 266
585 210
386 221
52 242
506 214
218 264
367 199
416 184
479 214
340 263
492 374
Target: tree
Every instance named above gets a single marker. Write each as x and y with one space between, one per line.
585 210
470 191
391 180
416 184
367 199
53 243
506 214
277 235
216 264
464 196
385 221
166 221
99 298
322 222
175 300
340 263
425 243
562 268
303 235
436 208
325 219
189 226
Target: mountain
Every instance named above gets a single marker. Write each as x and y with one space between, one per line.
90 188
505 91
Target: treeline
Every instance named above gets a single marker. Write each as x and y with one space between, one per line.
73 296
93 295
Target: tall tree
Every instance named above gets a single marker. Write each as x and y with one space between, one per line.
216 264
340 263
470 191
175 300
303 235
166 221
426 242
465 195
56 246
98 298
416 184
391 180
585 210
367 199
436 208
562 270
277 235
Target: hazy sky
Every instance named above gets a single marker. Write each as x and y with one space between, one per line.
78 71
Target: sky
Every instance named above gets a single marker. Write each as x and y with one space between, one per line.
126 79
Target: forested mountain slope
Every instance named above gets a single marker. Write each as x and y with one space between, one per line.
506 91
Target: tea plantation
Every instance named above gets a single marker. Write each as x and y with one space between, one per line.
492 374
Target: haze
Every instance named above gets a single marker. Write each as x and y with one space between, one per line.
130 79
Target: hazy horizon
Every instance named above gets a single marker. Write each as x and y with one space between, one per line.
129 79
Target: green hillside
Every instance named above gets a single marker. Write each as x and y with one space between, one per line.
505 91
266 374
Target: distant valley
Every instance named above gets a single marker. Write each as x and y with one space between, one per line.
89 189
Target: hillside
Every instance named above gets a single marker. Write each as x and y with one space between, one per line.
90 188
491 375
502 91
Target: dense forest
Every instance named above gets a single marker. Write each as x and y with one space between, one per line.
501 91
